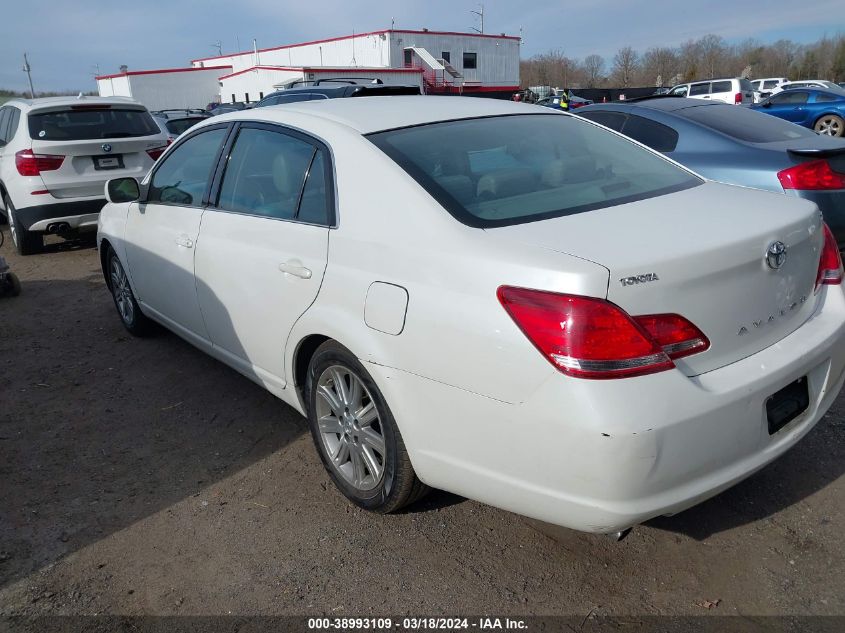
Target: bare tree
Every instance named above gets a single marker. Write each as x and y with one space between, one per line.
624 66
712 49
658 62
593 70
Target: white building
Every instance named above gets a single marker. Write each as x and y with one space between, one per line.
168 88
439 62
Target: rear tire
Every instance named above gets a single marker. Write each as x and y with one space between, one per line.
124 299
26 242
830 125
356 435
14 284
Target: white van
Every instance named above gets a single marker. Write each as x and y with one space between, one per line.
737 91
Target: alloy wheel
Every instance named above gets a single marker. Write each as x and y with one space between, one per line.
830 126
350 428
122 292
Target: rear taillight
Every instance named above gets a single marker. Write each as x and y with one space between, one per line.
157 151
738 98
586 337
812 175
675 334
830 264
30 164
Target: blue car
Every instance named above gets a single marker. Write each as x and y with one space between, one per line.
737 146
819 110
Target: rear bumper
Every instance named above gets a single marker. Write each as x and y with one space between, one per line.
79 215
600 456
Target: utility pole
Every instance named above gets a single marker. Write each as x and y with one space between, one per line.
480 14
27 69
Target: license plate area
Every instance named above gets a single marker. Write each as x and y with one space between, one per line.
111 161
787 404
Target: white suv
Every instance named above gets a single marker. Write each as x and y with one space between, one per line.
56 155
735 91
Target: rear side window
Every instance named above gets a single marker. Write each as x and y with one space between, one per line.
182 178
770 84
270 174
724 86
826 97
699 89
497 171
651 133
91 123
745 124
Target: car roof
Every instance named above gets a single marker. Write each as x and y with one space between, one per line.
375 114
45 102
659 102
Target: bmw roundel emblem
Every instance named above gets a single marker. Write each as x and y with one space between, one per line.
106 148
776 255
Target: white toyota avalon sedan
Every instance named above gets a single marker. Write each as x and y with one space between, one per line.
495 299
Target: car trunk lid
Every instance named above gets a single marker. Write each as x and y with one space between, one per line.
701 253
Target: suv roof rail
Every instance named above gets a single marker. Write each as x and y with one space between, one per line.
343 80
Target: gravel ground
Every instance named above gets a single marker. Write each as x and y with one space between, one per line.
141 477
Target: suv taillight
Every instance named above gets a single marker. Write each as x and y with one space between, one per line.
30 164
812 175
738 98
586 337
830 264
156 152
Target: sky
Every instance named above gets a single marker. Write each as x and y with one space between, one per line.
69 42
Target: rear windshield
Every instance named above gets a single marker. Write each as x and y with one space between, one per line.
91 123
744 124
503 170
177 126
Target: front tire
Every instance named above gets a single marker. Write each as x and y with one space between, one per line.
830 125
355 433
26 242
124 299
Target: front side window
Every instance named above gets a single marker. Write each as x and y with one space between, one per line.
770 84
80 123
182 178
651 133
470 61
274 175
788 97
497 171
613 120
679 91
5 115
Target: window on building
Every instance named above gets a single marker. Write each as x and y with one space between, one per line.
233 98
446 56
260 95
470 61
246 97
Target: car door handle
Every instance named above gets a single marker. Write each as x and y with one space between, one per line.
292 268
184 240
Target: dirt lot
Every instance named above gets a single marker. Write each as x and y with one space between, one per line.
142 477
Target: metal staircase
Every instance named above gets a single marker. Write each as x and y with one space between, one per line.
439 76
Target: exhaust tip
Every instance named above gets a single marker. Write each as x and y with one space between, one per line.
58 227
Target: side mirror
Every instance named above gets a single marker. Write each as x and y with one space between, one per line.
120 190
